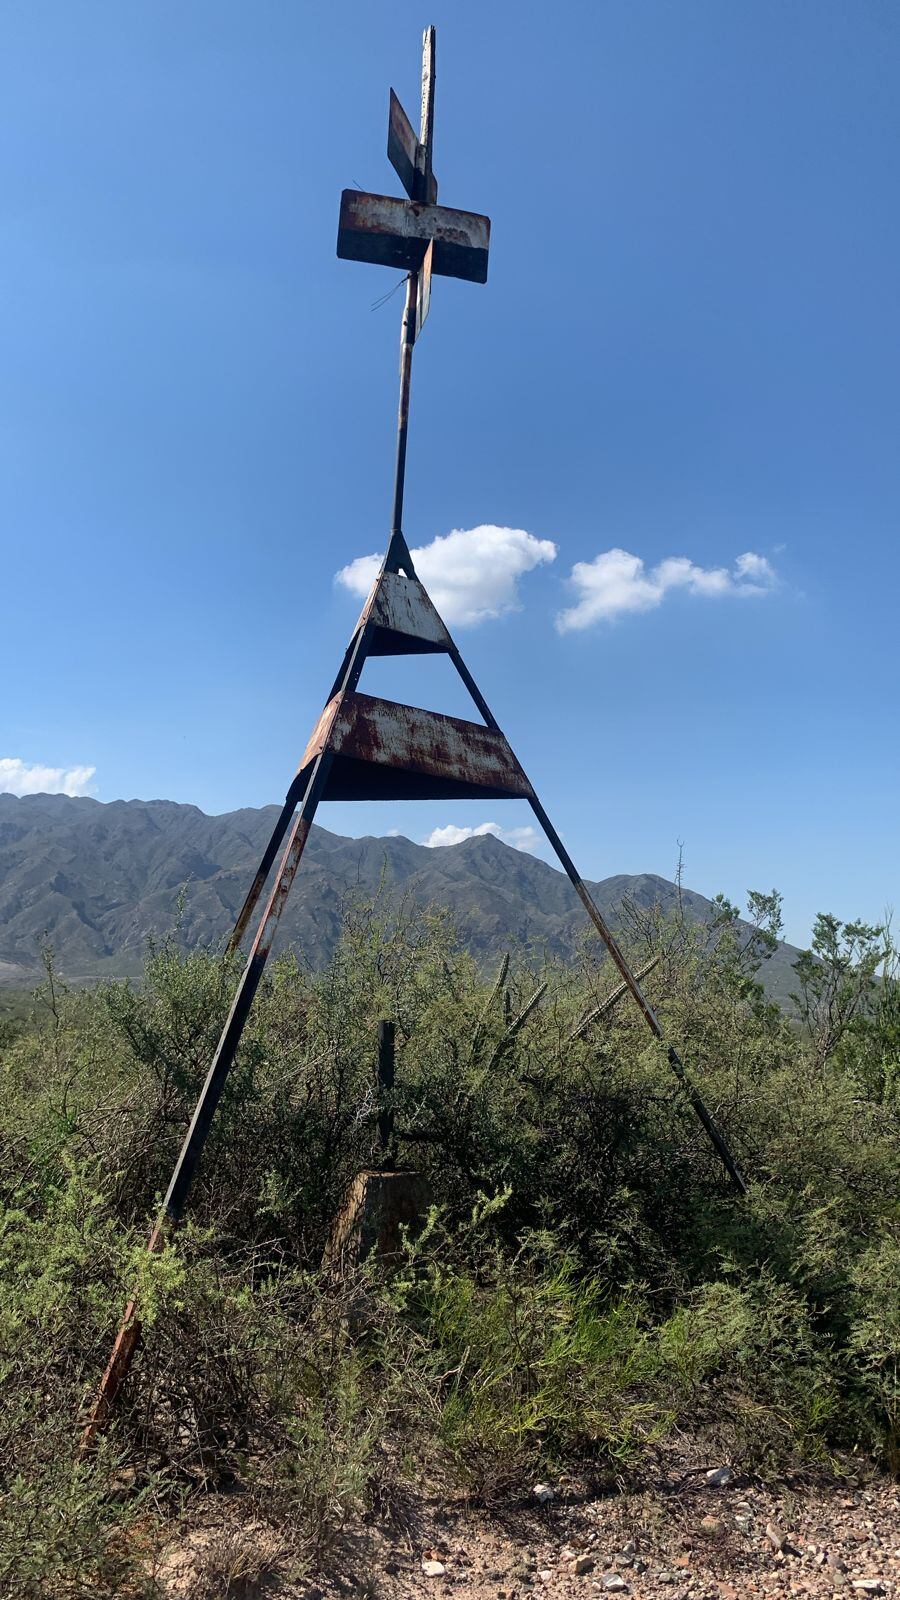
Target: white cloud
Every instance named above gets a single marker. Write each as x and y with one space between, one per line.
753 569
16 777
526 838
616 582
472 574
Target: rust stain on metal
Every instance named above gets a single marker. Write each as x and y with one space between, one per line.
127 1340
404 619
319 736
395 233
402 605
263 942
423 289
383 733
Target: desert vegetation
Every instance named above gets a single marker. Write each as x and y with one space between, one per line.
584 1283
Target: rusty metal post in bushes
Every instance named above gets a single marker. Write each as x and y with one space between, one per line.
385 1093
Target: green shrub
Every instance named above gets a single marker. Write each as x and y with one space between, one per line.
586 1282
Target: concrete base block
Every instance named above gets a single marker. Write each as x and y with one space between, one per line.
378 1207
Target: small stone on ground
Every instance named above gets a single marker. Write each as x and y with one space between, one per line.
661 1541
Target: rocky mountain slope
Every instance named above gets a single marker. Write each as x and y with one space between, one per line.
97 879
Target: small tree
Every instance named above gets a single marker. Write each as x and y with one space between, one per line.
837 977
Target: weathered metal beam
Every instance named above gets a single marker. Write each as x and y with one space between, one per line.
294 795
407 341
383 748
395 233
386 1032
426 124
182 1178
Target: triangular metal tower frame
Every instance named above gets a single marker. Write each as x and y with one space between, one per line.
364 747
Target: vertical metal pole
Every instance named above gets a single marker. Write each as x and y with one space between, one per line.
385 1089
407 340
426 127
408 326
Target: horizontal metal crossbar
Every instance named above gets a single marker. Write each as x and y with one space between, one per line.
395 233
385 750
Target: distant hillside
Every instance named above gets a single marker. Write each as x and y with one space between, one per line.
99 878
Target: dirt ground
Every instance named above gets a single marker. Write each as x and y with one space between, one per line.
708 1533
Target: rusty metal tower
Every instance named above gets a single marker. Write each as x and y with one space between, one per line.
364 747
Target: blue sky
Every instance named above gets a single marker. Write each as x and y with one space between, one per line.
686 352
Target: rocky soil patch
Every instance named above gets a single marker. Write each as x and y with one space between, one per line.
708 1534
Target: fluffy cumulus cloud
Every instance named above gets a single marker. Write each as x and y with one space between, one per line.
520 838
472 574
17 777
616 582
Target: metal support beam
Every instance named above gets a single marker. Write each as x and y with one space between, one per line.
191 1150
294 794
385 1091
407 340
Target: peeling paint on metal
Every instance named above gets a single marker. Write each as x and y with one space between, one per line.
362 727
319 736
395 233
402 605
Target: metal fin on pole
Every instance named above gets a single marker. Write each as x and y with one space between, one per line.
404 618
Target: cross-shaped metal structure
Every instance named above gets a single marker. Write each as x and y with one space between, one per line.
364 747
419 236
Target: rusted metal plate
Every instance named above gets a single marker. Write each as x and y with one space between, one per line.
405 152
319 736
395 233
402 145
423 288
406 620
385 750
403 605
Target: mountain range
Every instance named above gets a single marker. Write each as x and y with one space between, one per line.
97 879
